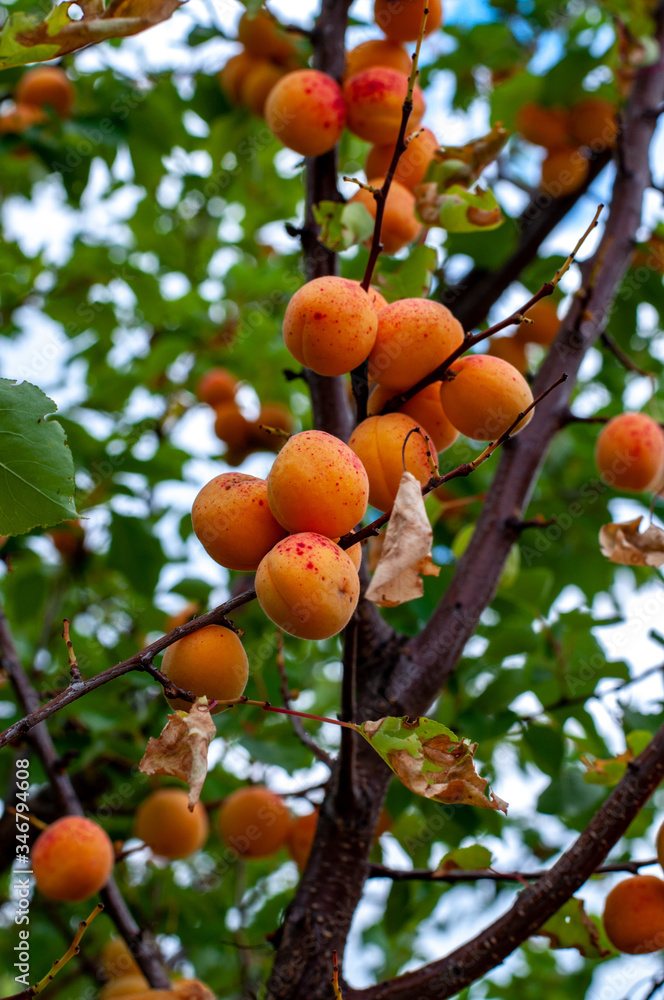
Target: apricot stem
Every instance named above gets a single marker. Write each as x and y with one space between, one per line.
72 950
74 670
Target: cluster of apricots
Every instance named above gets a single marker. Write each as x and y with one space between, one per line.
634 911
308 110
124 980
268 53
41 88
218 388
568 135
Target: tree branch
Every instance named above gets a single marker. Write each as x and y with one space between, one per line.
458 875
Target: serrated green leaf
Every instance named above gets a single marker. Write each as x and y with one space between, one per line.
467 858
36 465
342 226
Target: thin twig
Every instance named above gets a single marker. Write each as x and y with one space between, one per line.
458 875
74 670
623 357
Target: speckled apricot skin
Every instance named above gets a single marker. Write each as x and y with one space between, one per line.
634 915
374 102
233 521
401 20
630 453
545 324
424 408
254 822
414 336
564 171
306 111
330 325
377 52
378 441
485 397
210 662
72 859
308 586
317 484
412 164
164 822
400 226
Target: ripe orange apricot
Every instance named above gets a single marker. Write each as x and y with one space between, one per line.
125 987
262 35
330 325
545 324
510 349
69 540
231 426
374 101
547 127
216 386
593 123
165 824
634 915
377 52
23 117
425 409
232 75
72 859
414 336
400 225
47 86
413 163
485 397
564 171
378 441
630 452
401 20
272 415
254 822
232 519
308 586
306 111
300 838
210 662
117 961
257 84
317 484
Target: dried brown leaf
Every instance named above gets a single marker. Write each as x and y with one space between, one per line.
624 543
406 554
181 748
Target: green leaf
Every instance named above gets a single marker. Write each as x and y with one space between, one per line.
36 465
571 927
467 858
458 210
343 226
410 278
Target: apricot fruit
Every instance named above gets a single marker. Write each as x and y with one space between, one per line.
564 171
374 102
544 327
254 822
414 336
262 35
300 838
547 127
317 484
308 586
424 408
593 123
485 397
125 987
233 74
634 915
72 859
256 86
215 387
630 452
413 163
47 86
272 416
510 349
378 441
306 111
378 52
400 225
117 961
233 521
401 20
330 325
165 824
210 662
231 426
23 117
